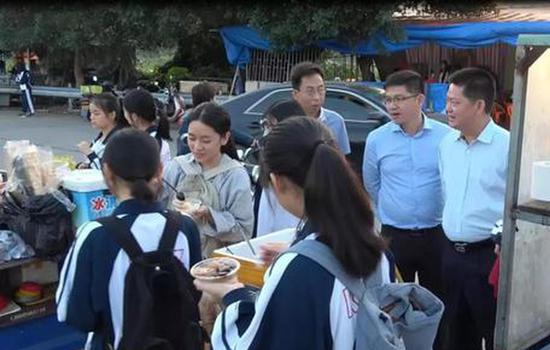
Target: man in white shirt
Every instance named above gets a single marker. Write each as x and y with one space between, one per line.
309 91
473 161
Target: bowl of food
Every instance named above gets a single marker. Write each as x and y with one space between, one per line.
213 269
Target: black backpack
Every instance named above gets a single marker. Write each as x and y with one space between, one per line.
160 300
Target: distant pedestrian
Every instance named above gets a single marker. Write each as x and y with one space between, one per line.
23 77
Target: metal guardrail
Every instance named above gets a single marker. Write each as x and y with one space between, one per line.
67 92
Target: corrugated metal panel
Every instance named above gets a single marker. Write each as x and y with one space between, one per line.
430 55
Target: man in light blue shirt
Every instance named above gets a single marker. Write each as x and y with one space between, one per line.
473 162
309 91
401 174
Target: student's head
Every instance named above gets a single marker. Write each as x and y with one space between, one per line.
140 112
308 87
311 178
131 165
404 96
105 112
202 92
280 111
209 134
470 97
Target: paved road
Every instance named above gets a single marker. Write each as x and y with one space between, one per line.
57 129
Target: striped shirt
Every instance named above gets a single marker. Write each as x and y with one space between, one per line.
90 295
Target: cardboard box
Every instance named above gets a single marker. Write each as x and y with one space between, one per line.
252 268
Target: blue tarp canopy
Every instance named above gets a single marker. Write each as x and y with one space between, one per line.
239 40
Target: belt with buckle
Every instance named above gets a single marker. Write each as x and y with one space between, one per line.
464 247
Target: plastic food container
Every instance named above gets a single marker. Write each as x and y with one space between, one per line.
215 269
252 268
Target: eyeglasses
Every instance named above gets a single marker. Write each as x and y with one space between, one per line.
321 90
397 99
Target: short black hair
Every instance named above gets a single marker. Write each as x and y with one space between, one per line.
477 84
281 110
304 69
412 81
202 92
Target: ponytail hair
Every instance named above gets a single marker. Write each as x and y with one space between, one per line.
216 117
142 103
133 156
303 150
163 128
140 189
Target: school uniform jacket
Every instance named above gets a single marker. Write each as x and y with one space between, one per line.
90 295
98 148
301 306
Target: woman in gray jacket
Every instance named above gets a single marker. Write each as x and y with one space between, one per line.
216 186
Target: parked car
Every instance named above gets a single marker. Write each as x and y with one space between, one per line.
360 106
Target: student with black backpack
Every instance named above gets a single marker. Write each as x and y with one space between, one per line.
125 279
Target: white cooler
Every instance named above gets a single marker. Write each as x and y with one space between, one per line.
89 193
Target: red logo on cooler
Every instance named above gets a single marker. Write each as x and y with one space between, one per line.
98 204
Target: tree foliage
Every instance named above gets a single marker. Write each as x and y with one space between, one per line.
71 38
302 22
104 34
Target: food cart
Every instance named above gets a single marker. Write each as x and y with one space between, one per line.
523 316
38 220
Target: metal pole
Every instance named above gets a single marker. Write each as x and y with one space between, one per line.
234 80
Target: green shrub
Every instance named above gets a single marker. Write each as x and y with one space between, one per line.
176 73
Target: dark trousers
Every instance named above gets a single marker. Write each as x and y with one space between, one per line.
470 307
26 101
419 251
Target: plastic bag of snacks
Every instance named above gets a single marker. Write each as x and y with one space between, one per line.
30 169
32 204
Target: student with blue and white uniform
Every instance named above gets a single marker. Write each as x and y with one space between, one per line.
309 90
90 295
106 116
140 112
23 77
301 305
270 214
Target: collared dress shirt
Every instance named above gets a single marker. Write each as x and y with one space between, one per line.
473 179
335 122
401 174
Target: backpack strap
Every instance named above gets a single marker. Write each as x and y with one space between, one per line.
321 254
122 235
171 230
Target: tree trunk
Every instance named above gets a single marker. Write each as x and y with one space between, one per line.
78 73
127 73
365 63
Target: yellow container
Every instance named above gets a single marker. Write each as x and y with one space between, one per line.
252 268
251 272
